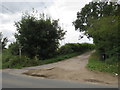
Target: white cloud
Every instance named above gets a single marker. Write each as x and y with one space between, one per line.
8 31
9 18
64 10
7 25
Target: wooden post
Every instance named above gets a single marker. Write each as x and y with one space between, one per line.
20 50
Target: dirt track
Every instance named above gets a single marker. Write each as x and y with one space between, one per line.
73 69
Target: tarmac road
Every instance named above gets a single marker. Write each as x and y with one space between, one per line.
19 81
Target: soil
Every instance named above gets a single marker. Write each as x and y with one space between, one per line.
73 69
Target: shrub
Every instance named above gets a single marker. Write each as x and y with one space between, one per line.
95 64
14 48
111 60
12 61
69 50
38 35
87 46
75 47
66 49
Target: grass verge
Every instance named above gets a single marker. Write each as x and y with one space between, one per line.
59 58
95 64
15 62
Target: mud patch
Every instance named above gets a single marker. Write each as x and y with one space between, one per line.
36 75
53 72
95 81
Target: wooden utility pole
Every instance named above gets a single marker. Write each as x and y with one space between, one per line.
20 48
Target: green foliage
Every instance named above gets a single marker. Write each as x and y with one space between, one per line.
3 41
14 48
106 37
11 60
38 36
14 61
65 49
100 20
59 58
75 47
87 46
0 60
111 60
96 64
95 10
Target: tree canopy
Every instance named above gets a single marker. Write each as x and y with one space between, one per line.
38 36
3 41
101 20
95 10
105 33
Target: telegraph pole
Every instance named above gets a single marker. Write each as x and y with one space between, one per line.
20 49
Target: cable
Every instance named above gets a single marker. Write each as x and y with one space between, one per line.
28 4
6 8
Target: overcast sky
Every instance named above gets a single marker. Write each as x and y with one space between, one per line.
64 10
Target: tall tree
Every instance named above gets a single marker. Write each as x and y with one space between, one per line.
105 33
100 20
95 10
38 36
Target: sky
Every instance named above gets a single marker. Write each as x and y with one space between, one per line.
64 10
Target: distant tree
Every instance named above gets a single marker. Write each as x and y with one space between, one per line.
38 36
3 41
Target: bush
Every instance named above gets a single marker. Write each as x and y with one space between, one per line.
14 48
59 58
66 49
38 36
96 64
75 47
69 50
12 61
111 60
87 46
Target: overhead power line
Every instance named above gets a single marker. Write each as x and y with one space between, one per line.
28 3
6 8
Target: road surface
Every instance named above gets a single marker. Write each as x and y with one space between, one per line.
19 81
74 70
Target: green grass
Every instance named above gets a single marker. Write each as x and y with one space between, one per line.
0 60
95 64
59 58
14 61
